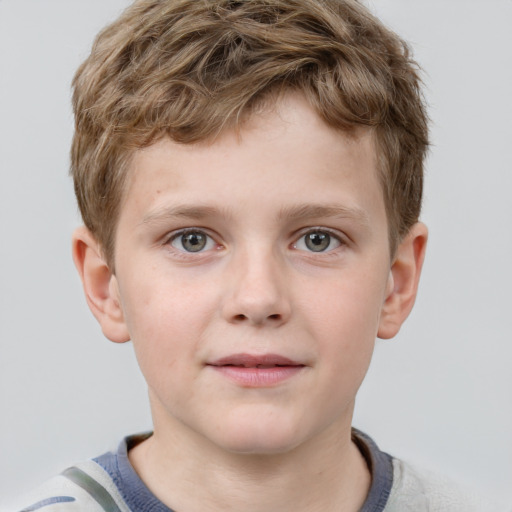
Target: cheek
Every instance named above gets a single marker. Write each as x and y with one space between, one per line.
346 310
344 320
166 320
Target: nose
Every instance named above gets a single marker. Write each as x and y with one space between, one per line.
257 293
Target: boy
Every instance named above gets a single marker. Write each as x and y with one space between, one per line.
249 174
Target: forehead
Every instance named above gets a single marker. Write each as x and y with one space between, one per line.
280 156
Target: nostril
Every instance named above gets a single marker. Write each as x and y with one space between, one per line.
242 318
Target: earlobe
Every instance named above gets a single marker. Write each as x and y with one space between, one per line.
100 285
403 281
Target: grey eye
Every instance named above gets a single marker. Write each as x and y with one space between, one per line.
192 241
317 241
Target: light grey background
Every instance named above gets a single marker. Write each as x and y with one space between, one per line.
440 394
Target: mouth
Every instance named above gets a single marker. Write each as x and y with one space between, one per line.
252 361
253 371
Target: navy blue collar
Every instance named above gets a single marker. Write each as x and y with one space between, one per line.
139 498
381 469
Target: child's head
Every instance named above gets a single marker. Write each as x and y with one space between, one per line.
255 161
189 69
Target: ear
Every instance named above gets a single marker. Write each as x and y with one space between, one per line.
100 285
403 281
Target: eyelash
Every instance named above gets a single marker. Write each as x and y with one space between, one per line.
333 236
300 244
195 231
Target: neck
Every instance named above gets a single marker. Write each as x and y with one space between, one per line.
325 474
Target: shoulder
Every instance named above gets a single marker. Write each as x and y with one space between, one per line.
83 487
419 490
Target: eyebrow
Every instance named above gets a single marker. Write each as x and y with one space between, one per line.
180 212
296 212
308 211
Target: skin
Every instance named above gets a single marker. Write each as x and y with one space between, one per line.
257 287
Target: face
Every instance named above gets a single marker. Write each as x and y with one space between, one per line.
251 274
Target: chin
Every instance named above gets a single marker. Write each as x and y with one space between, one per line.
260 438
259 447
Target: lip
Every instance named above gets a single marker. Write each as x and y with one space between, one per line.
255 371
253 361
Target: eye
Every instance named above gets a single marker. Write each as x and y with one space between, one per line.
317 241
192 241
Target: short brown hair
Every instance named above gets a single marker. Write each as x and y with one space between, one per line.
189 68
